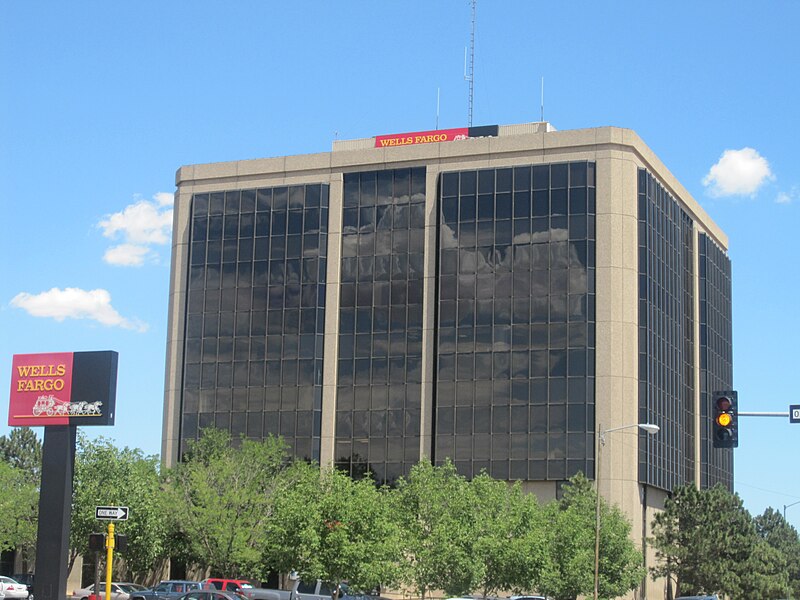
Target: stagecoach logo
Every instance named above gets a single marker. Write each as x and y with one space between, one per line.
50 406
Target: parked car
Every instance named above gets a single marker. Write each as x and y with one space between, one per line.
13 589
212 594
712 597
27 580
171 588
244 588
119 591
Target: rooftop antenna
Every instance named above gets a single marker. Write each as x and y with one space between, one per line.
471 76
438 93
542 100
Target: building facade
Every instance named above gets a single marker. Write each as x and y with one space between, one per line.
497 299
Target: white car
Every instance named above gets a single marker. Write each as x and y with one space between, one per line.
119 591
12 590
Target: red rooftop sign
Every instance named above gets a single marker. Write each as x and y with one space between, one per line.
63 388
435 136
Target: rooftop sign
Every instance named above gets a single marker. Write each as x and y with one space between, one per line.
435 136
63 388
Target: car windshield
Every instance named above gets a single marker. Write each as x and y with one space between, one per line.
246 585
132 587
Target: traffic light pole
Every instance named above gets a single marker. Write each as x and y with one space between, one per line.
764 414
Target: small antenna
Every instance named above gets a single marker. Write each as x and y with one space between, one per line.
542 100
438 93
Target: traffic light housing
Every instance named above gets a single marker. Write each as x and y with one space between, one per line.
97 541
725 426
120 542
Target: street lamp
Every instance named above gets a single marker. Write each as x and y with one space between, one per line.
600 441
785 506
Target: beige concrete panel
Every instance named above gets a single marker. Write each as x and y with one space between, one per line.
545 491
372 158
216 170
615 346
571 138
610 235
184 174
327 435
308 162
426 420
472 147
610 293
422 153
262 166
531 142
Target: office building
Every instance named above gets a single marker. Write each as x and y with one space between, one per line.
494 295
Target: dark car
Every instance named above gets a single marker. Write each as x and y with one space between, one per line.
168 589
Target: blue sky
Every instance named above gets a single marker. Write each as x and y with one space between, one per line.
102 101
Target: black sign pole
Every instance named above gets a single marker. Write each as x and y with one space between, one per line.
55 512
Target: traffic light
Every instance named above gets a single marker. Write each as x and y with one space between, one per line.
120 542
97 541
725 412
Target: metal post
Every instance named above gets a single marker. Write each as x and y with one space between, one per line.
109 558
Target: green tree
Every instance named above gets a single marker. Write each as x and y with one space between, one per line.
782 537
108 476
571 541
22 449
18 510
325 525
707 542
436 513
509 537
221 500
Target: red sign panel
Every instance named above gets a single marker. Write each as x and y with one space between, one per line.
63 388
41 388
421 137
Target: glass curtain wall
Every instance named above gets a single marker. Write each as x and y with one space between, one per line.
380 323
666 336
255 315
515 336
716 355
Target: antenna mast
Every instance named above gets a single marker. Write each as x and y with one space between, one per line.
471 77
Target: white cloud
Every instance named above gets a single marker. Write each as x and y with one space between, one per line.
127 255
788 197
738 173
140 225
75 303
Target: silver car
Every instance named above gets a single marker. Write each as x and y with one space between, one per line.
11 589
119 591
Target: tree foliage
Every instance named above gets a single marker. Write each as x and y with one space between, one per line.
109 476
571 541
509 541
327 526
435 510
18 510
707 542
20 472
22 449
221 500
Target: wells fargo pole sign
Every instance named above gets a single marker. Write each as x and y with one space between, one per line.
60 391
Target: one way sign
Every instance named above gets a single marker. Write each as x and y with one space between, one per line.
111 513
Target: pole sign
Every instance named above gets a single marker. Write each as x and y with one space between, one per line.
63 388
794 413
111 513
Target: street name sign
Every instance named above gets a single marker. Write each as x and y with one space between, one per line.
794 413
111 513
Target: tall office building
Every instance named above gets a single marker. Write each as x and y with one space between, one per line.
493 295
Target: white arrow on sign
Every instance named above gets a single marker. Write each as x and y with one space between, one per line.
111 513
